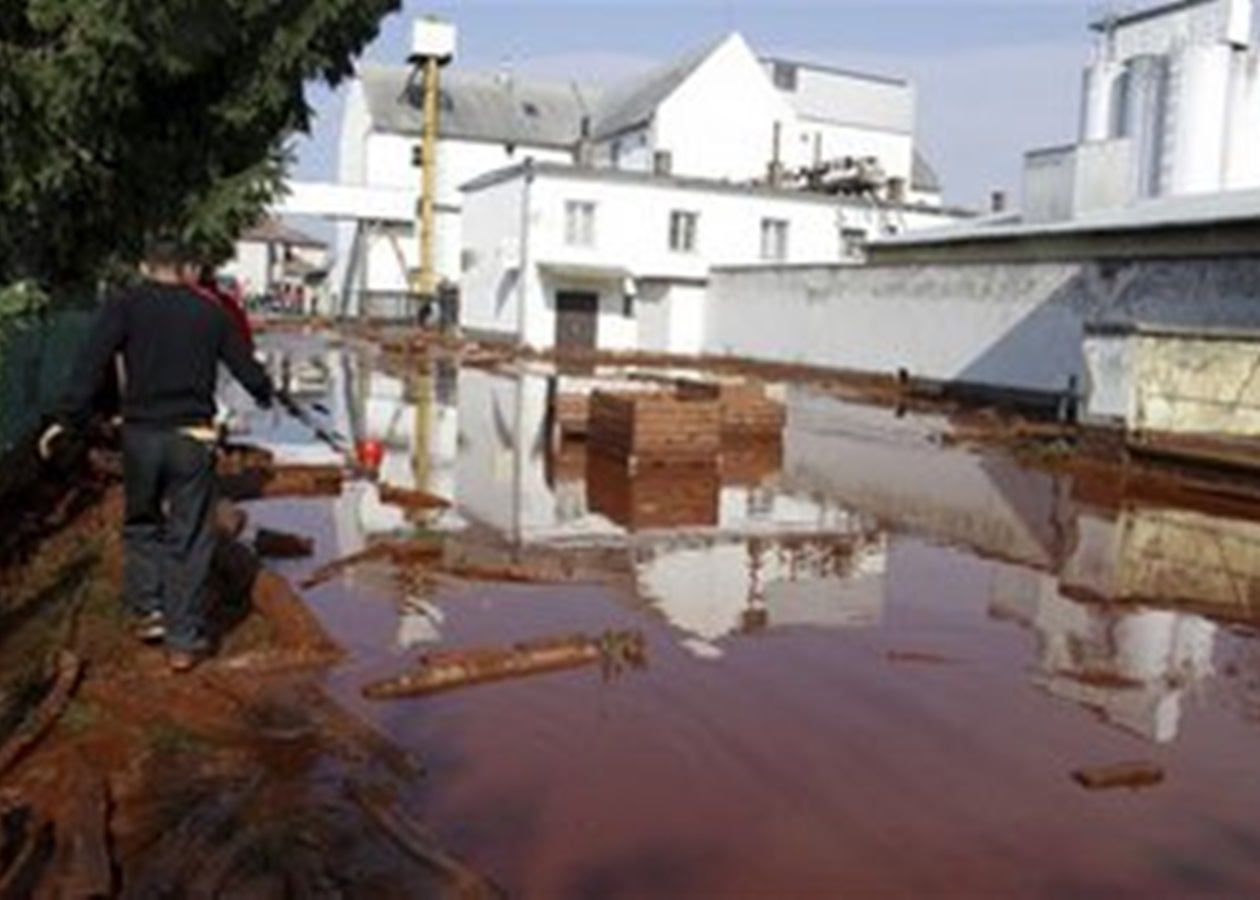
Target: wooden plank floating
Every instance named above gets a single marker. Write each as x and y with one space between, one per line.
1132 775
397 552
440 671
410 499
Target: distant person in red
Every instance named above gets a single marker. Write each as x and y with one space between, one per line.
207 284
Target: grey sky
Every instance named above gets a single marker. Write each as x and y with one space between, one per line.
994 77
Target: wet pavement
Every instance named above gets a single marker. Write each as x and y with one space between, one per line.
878 661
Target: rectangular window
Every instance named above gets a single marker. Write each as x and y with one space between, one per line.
774 240
579 223
852 243
682 231
784 76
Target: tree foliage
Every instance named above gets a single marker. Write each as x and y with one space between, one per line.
122 119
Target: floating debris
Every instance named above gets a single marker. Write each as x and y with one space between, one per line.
1132 775
398 552
613 651
282 544
409 499
919 657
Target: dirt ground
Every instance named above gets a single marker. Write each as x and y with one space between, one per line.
239 779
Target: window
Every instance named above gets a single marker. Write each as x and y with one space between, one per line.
682 231
579 223
785 76
852 242
774 239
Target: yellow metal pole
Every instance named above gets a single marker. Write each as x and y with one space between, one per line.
426 282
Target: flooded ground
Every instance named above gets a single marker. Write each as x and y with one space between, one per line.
877 661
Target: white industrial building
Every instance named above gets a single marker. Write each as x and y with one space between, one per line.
720 115
1170 106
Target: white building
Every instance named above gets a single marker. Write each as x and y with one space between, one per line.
587 258
720 114
1170 106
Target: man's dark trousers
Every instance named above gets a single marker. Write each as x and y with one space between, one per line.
169 486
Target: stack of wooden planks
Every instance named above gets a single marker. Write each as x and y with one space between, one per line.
746 409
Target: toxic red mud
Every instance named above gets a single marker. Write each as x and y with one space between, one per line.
888 658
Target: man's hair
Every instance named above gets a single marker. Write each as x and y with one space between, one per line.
165 252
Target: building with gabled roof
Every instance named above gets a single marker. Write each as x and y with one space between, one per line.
716 114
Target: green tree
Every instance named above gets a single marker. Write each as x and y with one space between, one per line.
120 119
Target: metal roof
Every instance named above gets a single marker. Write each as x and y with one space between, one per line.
478 106
634 103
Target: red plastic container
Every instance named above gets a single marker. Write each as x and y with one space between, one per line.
370 453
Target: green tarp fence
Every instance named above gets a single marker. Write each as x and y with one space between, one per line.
37 352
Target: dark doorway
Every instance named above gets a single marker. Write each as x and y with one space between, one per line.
577 316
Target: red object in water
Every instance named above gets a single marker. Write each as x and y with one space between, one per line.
370 453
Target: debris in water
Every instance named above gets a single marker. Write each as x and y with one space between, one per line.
614 651
1133 775
920 657
398 552
282 544
408 499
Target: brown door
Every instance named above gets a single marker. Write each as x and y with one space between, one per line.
576 320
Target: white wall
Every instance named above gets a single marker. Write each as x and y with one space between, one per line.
996 325
1108 377
250 267
720 122
489 287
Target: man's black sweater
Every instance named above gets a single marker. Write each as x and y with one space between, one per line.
171 339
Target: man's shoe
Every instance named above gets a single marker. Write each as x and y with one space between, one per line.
181 661
150 628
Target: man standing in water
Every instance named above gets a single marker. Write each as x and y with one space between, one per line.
171 339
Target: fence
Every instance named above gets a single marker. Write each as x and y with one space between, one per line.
37 350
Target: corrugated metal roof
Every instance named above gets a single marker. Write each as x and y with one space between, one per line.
477 106
634 103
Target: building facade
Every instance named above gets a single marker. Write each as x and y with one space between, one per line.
590 258
720 114
1170 106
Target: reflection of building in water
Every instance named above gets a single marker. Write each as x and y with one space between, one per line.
712 589
1133 666
660 495
1197 562
867 459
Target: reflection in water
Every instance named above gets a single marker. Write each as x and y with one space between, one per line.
1132 667
792 531
796 613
